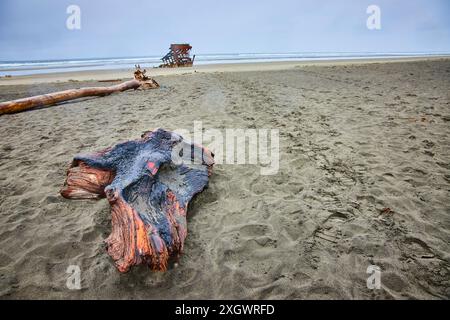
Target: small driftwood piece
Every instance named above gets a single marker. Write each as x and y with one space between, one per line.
140 81
148 183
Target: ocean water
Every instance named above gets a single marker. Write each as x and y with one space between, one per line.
15 68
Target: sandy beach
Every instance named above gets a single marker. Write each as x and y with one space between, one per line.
364 179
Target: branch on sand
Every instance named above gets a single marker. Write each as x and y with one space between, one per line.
140 81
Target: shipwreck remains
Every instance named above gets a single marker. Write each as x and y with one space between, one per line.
148 183
178 56
140 81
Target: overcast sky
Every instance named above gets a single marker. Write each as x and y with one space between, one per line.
36 29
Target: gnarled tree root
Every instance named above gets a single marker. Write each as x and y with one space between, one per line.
148 183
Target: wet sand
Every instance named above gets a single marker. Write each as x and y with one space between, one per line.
355 139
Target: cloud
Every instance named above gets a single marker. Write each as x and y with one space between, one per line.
36 29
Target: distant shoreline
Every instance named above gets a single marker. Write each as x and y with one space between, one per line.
24 68
124 73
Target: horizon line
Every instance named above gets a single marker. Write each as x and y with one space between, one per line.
243 53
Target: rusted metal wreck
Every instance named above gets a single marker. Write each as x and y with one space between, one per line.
178 56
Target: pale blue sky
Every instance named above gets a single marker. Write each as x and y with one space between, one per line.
36 29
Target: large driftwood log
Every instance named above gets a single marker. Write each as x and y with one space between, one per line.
148 183
140 81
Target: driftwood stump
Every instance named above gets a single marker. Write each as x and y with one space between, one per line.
148 183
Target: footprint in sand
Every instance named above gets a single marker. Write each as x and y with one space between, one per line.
417 248
329 232
254 230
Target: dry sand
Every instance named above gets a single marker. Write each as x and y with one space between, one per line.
354 139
